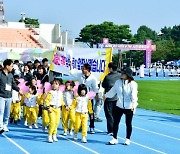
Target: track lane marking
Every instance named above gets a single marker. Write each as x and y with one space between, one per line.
17 145
138 144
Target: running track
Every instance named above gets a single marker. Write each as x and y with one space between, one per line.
153 132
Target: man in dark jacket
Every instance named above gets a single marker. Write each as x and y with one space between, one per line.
110 103
7 83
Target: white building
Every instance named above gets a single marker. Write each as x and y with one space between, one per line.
19 35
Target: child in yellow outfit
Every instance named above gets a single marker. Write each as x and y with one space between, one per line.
53 103
15 110
31 100
45 115
15 107
67 113
32 82
82 105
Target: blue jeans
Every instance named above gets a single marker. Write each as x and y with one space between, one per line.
97 107
5 105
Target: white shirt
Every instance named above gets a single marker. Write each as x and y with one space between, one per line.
90 82
16 68
126 93
82 104
31 101
56 98
15 96
68 97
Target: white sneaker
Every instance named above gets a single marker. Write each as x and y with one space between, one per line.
83 140
127 142
54 137
65 133
5 129
50 139
30 126
75 137
71 132
113 141
110 134
25 123
35 126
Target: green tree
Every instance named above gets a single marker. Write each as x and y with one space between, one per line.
144 33
30 22
93 34
175 33
165 33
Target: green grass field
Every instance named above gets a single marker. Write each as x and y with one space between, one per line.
162 96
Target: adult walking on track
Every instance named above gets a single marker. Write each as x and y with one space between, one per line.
7 83
110 103
126 90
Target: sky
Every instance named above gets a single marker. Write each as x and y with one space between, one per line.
73 15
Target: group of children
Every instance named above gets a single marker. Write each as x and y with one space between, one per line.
69 106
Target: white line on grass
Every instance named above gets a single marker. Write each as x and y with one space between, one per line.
138 144
156 122
79 145
16 144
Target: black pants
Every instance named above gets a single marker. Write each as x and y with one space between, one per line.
91 117
40 111
108 110
117 114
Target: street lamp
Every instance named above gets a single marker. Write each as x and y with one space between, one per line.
23 16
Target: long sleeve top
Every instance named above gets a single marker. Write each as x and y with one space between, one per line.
31 100
68 97
91 81
4 81
15 96
82 105
54 98
109 82
127 94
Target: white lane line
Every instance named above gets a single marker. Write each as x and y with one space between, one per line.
79 145
151 131
161 114
151 121
16 144
157 122
138 144
155 132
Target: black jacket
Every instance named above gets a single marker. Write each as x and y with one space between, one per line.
27 77
43 78
7 79
109 82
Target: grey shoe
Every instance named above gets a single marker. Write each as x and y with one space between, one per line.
92 131
98 120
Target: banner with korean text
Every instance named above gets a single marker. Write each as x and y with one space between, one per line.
96 57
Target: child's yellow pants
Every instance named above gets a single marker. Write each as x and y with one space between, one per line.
15 110
81 119
25 112
54 118
45 118
66 116
31 115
